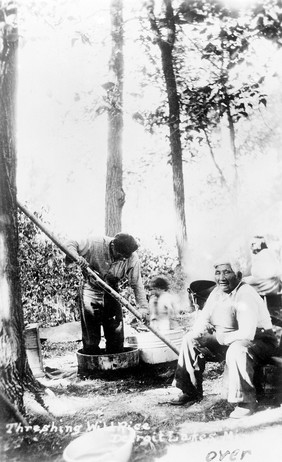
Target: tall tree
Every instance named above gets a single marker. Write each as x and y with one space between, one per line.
15 373
165 33
115 197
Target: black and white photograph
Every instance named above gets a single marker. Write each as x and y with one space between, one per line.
140 230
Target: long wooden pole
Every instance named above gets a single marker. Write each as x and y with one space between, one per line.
97 278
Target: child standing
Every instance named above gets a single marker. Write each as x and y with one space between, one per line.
162 306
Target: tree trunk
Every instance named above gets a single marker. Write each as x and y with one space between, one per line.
15 373
115 197
176 148
13 357
166 47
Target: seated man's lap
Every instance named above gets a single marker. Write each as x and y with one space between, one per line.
208 345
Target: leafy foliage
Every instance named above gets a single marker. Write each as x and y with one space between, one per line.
204 106
49 288
268 16
162 261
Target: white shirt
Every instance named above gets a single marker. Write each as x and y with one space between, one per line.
235 316
265 265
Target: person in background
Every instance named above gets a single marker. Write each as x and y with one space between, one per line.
265 270
234 326
113 258
162 305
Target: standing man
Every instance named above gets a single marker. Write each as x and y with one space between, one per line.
234 326
113 259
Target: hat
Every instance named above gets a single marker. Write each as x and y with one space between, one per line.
202 288
125 244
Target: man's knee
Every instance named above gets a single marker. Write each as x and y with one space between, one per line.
186 340
237 350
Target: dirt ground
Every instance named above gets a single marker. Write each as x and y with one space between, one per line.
139 398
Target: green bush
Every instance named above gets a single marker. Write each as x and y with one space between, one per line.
49 288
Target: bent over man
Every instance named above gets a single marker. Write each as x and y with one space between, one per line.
234 326
113 258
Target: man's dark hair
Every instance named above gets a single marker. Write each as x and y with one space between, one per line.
125 244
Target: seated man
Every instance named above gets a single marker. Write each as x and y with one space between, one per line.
234 325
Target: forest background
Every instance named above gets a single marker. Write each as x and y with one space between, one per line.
227 65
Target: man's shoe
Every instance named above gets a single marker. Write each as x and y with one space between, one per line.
243 410
184 399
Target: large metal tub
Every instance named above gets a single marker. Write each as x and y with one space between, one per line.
107 362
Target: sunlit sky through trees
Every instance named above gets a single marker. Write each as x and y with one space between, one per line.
62 142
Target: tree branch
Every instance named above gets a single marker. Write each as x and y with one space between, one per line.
222 177
153 21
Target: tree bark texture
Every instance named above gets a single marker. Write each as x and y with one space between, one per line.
115 197
15 373
12 360
166 46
